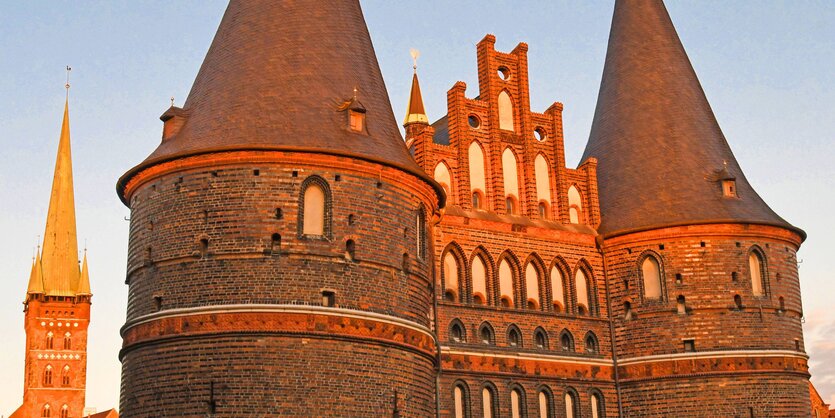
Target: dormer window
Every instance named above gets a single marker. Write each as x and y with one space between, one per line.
357 119
729 188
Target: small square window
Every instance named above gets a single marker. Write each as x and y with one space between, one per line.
357 120
328 298
689 346
729 188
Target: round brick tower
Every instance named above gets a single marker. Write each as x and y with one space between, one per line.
703 276
278 258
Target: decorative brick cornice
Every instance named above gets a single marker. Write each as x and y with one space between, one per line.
529 364
287 320
712 363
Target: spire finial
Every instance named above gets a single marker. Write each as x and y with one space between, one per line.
356 92
67 86
172 101
415 53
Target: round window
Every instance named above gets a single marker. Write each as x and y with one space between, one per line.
503 73
474 121
539 134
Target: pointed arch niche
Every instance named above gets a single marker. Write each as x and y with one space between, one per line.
543 186
575 205
478 183
505 111
444 178
511 181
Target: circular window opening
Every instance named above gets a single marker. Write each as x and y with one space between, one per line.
539 134
503 73
474 121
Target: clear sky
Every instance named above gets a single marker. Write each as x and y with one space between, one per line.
767 69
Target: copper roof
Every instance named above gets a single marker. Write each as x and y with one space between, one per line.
276 77
661 154
58 269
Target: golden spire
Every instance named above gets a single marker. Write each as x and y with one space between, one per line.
84 283
59 259
35 277
414 111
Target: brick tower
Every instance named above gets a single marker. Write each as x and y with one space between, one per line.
703 275
279 260
57 306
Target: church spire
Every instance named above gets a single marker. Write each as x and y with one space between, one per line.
84 282
59 259
660 151
35 277
415 112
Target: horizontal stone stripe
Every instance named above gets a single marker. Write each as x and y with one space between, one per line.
298 320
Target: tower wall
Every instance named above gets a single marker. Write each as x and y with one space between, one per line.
245 303
747 354
58 316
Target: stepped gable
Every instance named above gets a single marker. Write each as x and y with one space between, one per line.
660 150
279 75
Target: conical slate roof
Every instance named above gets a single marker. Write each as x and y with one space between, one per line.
661 154
278 76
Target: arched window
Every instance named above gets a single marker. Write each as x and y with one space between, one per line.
582 288
457 334
65 376
514 337
451 282
651 273
757 268
557 295
627 311
543 183
532 286
67 341
545 402
575 205
591 343
65 411
47 376
517 402
315 207
681 308
597 410
572 407
543 210
49 338
444 178
460 396
45 412
420 236
505 284
485 334
505 112
479 273
511 179
478 186
488 403
566 340
782 307
540 339
738 302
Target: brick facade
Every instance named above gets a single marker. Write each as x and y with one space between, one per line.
507 297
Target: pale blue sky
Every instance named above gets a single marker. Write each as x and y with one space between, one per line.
767 69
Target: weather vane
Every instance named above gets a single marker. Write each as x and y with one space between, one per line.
415 54
68 79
